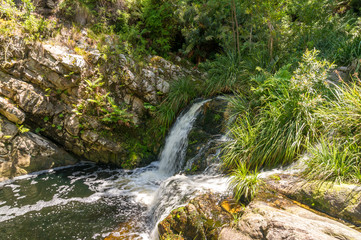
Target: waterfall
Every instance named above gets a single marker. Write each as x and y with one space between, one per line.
172 156
139 198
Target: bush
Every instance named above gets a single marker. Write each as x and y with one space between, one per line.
334 161
341 116
182 91
244 184
282 121
225 74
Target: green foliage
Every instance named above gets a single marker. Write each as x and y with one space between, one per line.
23 20
8 9
334 161
282 120
225 74
338 160
244 183
98 103
205 27
22 128
182 91
115 114
342 114
160 26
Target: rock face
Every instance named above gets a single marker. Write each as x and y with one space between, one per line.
338 200
205 136
22 153
88 103
269 217
279 218
202 218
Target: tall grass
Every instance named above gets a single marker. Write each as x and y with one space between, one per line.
283 122
338 160
225 74
334 161
182 91
342 115
244 183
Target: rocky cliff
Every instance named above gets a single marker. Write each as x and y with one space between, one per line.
80 93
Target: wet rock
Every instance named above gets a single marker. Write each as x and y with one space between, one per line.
279 218
202 218
22 153
338 200
205 136
32 153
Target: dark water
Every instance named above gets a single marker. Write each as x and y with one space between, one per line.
79 202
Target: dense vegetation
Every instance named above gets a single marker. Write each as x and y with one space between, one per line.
275 56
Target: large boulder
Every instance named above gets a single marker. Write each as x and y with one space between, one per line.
279 218
22 152
202 218
338 200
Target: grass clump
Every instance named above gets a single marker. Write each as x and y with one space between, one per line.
334 161
338 160
342 115
225 74
182 91
277 122
281 122
244 183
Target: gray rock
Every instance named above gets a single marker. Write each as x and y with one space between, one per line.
72 125
60 54
338 200
280 218
22 153
89 136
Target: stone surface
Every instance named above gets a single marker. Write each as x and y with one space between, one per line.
11 112
338 200
279 218
45 85
202 218
205 136
22 153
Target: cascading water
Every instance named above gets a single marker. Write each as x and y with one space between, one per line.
172 156
88 202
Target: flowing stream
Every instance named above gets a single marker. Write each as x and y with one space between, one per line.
87 201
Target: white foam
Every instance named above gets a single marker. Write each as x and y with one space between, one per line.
7 212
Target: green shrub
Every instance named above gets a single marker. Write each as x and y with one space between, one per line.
282 123
334 161
181 92
225 74
244 184
342 114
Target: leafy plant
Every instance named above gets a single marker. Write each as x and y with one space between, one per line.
225 74
342 114
244 183
182 91
282 122
334 161
22 129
